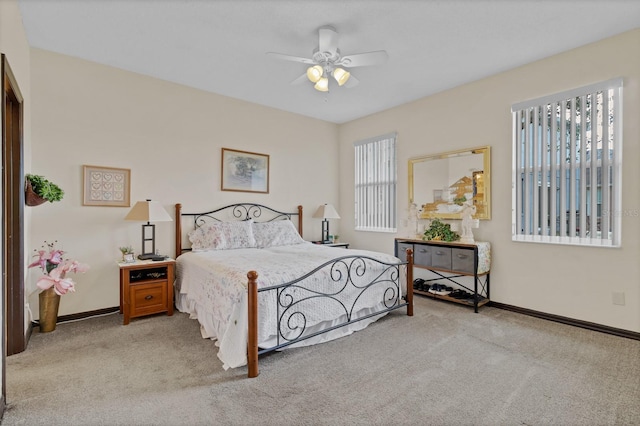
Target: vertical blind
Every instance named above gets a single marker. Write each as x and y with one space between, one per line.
567 155
375 184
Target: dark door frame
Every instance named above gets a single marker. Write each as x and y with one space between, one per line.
13 309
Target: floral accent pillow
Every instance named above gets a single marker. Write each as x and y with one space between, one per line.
276 233
238 234
222 236
207 237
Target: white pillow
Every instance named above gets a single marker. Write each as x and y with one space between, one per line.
207 237
276 233
222 236
238 234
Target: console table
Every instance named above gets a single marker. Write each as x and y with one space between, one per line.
450 261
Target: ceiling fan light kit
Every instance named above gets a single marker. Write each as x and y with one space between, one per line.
316 74
327 61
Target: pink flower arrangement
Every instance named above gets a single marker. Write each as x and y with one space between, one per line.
55 268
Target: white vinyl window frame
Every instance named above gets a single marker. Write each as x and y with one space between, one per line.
552 179
376 178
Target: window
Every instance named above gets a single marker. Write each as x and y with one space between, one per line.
375 184
567 157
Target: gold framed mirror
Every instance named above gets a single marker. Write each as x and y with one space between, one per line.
440 185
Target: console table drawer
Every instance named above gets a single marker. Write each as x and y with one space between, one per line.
462 260
422 255
402 251
441 257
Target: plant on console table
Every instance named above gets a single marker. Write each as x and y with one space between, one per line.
54 283
440 231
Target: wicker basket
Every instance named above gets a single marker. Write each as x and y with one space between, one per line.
30 197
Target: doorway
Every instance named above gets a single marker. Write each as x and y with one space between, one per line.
13 333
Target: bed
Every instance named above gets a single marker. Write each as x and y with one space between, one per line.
255 286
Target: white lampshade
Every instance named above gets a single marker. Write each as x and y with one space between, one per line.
314 73
322 85
326 211
148 211
341 76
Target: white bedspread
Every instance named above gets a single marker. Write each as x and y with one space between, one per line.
211 286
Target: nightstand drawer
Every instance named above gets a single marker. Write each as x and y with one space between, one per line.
148 298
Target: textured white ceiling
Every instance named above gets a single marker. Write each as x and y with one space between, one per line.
220 46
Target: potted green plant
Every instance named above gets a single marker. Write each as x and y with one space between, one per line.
440 231
125 250
38 190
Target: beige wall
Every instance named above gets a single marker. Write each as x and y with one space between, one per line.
575 282
13 44
170 136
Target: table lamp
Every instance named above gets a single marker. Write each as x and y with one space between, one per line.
325 212
148 211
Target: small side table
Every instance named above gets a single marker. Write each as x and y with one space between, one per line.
146 288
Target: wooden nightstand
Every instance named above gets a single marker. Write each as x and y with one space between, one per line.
146 288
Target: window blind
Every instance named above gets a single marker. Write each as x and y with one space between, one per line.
567 159
375 184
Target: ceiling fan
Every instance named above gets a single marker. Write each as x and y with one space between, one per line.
327 61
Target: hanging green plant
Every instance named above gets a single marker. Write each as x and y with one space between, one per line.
38 190
440 231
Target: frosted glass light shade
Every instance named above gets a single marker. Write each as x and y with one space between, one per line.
341 76
314 73
322 85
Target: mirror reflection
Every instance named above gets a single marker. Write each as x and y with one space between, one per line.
442 185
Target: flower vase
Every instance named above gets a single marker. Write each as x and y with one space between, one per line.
49 303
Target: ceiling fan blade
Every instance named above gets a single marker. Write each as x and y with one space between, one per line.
300 79
364 59
291 58
352 82
328 40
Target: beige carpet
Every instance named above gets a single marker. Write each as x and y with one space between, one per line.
444 366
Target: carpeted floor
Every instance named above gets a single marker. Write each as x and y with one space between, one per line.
444 366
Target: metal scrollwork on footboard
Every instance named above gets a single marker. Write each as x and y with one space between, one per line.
348 284
347 289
